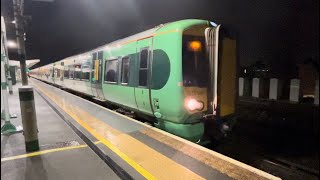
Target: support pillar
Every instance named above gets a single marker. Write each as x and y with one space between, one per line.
241 86
29 118
255 87
294 90
273 90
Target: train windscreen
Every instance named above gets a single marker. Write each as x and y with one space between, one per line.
209 70
195 64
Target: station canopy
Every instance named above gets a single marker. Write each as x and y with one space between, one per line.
29 63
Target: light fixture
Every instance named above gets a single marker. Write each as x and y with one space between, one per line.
195 46
213 24
11 44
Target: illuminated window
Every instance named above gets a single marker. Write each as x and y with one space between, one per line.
85 71
111 71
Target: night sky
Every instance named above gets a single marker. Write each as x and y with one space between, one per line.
281 33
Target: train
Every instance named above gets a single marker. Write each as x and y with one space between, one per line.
178 76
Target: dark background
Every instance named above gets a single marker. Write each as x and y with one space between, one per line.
280 33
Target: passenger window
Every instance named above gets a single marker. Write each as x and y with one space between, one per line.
58 73
77 71
71 71
85 71
143 72
111 71
52 72
66 72
125 70
144 58
62 71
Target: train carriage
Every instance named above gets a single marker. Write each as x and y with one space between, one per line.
175 75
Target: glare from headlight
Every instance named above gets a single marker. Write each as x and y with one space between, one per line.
193 104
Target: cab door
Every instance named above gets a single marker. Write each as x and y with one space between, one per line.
96 75
223 67
143 91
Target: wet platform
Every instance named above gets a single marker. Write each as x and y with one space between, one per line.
102 144
63 154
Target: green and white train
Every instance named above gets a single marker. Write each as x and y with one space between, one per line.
177 75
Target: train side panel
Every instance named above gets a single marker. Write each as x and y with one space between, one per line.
120 92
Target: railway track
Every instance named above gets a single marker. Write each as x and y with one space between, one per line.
288 170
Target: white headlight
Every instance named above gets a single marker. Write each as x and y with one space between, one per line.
193 104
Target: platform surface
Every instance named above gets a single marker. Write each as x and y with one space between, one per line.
62 155
142 151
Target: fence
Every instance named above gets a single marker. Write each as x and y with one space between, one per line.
276 89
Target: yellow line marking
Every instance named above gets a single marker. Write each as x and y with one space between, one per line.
147 161
233 168
45 152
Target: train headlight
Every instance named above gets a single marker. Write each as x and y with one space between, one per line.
193 104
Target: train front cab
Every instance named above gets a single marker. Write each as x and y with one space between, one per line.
209 76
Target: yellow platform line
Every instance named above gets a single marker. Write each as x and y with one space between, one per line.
160 166
44 152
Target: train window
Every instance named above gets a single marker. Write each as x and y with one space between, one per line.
111 71
66 72
58 73
52 72
55 72
85 71
143 72
62 71
77 73
143 77
125 70
195 64
71 72
144 58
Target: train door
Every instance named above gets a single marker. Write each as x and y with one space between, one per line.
142 91
96 75
222 64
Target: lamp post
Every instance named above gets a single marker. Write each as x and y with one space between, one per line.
19 25
26 96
